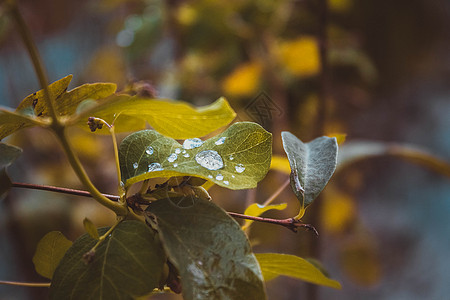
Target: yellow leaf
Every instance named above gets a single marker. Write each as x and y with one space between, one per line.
281 164
257 209
338 210
244 80
275 264
50 250
340 5
186 14
340 137
300 57
360 262
175 119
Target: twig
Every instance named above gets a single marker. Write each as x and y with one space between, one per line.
60 190
28 284
289 223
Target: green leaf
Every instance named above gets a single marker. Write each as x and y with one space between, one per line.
90 228
312 165
257 209
126 265
239 162
49 252
210 251
8 154
275 264
356 151
175 119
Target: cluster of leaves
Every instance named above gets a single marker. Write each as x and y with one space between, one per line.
185 241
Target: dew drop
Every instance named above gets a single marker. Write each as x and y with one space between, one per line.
260 205
135 165
232 176
184 151
209 159
178 151
220 141
239 168
154 167
172 157
219 177
175 165
149 150
192 143
210 176
186 155
231 157
226 182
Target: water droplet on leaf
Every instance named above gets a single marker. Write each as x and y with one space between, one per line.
186 155
210 176
192 143
239 168
149 150
226 182
175 165
135 165
220 141
219 177
231 157
154 167
178 151
209 159
172 157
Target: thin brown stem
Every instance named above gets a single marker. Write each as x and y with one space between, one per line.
289 223
27 284
60 190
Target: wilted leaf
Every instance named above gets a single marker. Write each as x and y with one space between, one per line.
34 106
176 119
275 264
67 103
90 228
209 250
8 154
356 151
257 209
127 264
49 252
312 165
237 158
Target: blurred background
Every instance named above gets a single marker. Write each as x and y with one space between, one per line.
384 222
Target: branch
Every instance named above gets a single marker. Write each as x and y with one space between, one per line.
28 284
289 223
60 190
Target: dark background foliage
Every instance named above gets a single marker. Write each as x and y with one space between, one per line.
384 224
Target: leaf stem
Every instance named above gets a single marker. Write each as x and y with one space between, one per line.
118 208
35 58
28 284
